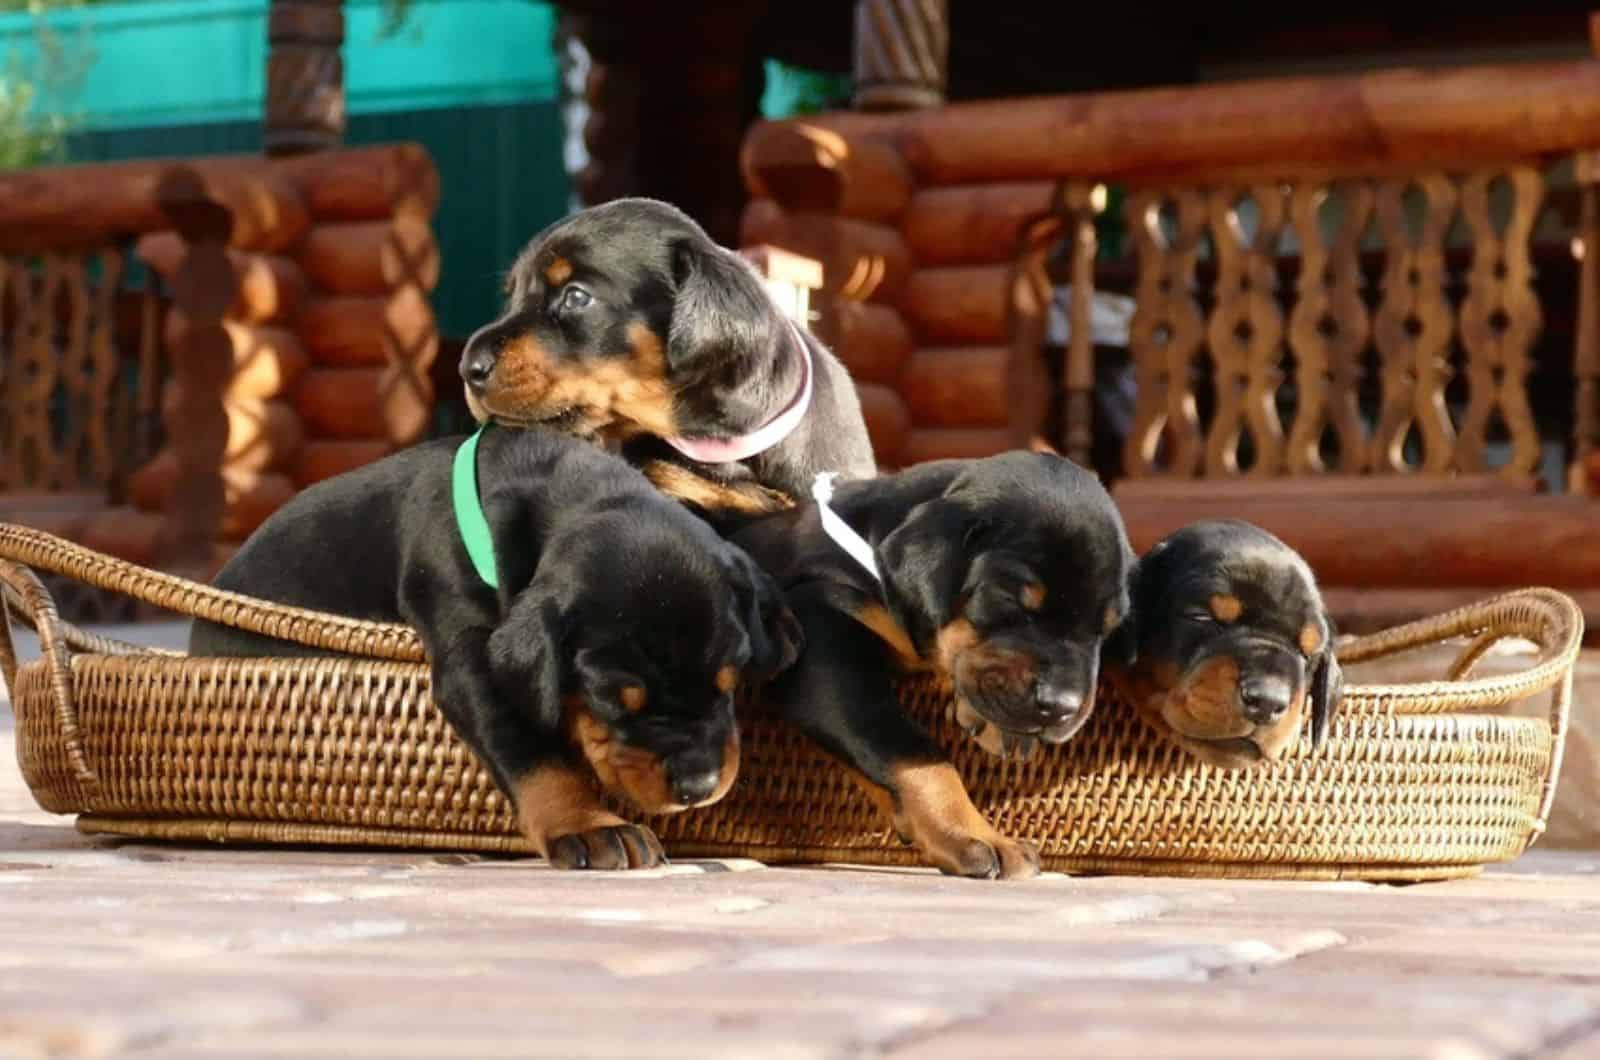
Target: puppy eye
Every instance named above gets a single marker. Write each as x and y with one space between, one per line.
573 299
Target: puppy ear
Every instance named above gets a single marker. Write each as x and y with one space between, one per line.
924 561
1121 648
1327 692
776 639
525 663
721 314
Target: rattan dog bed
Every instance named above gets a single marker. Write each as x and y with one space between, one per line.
1416 781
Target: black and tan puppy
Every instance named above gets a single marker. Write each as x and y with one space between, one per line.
1003 574
1231 641
626 324
618 633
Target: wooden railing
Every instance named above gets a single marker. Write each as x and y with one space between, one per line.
282 334
942 230
1336 306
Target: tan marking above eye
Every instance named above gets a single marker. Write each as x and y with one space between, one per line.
1033 595
727 679
1109 622
1225 607
1311 638
558 272
633 698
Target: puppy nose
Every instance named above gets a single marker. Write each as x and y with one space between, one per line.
1059 702
477 365
1264 699
695 787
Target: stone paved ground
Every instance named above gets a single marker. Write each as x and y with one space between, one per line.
148 950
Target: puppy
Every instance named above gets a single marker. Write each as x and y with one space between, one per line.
1003 575
1231 640
626 324
609 628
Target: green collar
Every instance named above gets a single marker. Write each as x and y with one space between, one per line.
470 521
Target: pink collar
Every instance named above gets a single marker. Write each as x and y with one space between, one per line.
775 430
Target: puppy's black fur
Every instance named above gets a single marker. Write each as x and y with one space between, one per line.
1004 574
1229 639
625 323
618 633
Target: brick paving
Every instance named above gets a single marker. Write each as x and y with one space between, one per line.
147 950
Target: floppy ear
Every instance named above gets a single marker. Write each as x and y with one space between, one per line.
776 639
525 663
721 314
1327 691
1121 648
924 561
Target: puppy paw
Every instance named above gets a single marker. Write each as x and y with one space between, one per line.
989 858
612 847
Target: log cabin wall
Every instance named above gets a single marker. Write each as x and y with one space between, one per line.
1304 248
294 340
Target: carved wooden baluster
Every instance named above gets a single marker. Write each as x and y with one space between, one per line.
1080 203
1500 319
36 371
305 77
1328 329
75 369
1412 327
1164 335
103 365
1586 348
1245 333
9 333
901 51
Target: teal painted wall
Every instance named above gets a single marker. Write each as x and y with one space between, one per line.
177 62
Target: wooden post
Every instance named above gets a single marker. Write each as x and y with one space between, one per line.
305 77
902 51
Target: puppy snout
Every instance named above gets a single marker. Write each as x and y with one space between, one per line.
694 788
1058 702
476 368
1264 699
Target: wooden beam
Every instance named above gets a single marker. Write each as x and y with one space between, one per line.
901 53
1400 118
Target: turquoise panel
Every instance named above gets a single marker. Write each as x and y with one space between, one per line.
181 62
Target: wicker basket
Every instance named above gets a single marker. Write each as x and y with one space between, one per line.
1415 782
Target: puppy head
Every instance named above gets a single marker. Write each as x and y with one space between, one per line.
625 319
634 636
1231 642
1009 582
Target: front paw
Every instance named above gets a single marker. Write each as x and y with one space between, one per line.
932 809
612 847
990 857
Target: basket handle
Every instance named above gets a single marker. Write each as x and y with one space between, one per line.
21 584
313 629
1550 619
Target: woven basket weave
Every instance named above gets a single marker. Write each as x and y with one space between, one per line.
1414 782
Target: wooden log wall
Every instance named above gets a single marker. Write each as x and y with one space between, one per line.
922 219
300 335
332 338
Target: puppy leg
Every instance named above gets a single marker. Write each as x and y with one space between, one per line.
841 693
558 808
557 804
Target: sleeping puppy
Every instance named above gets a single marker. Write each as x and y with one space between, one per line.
1231 641
611 648
1003 575
626 324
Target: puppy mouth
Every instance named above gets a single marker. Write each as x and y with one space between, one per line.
1236 746
997 739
